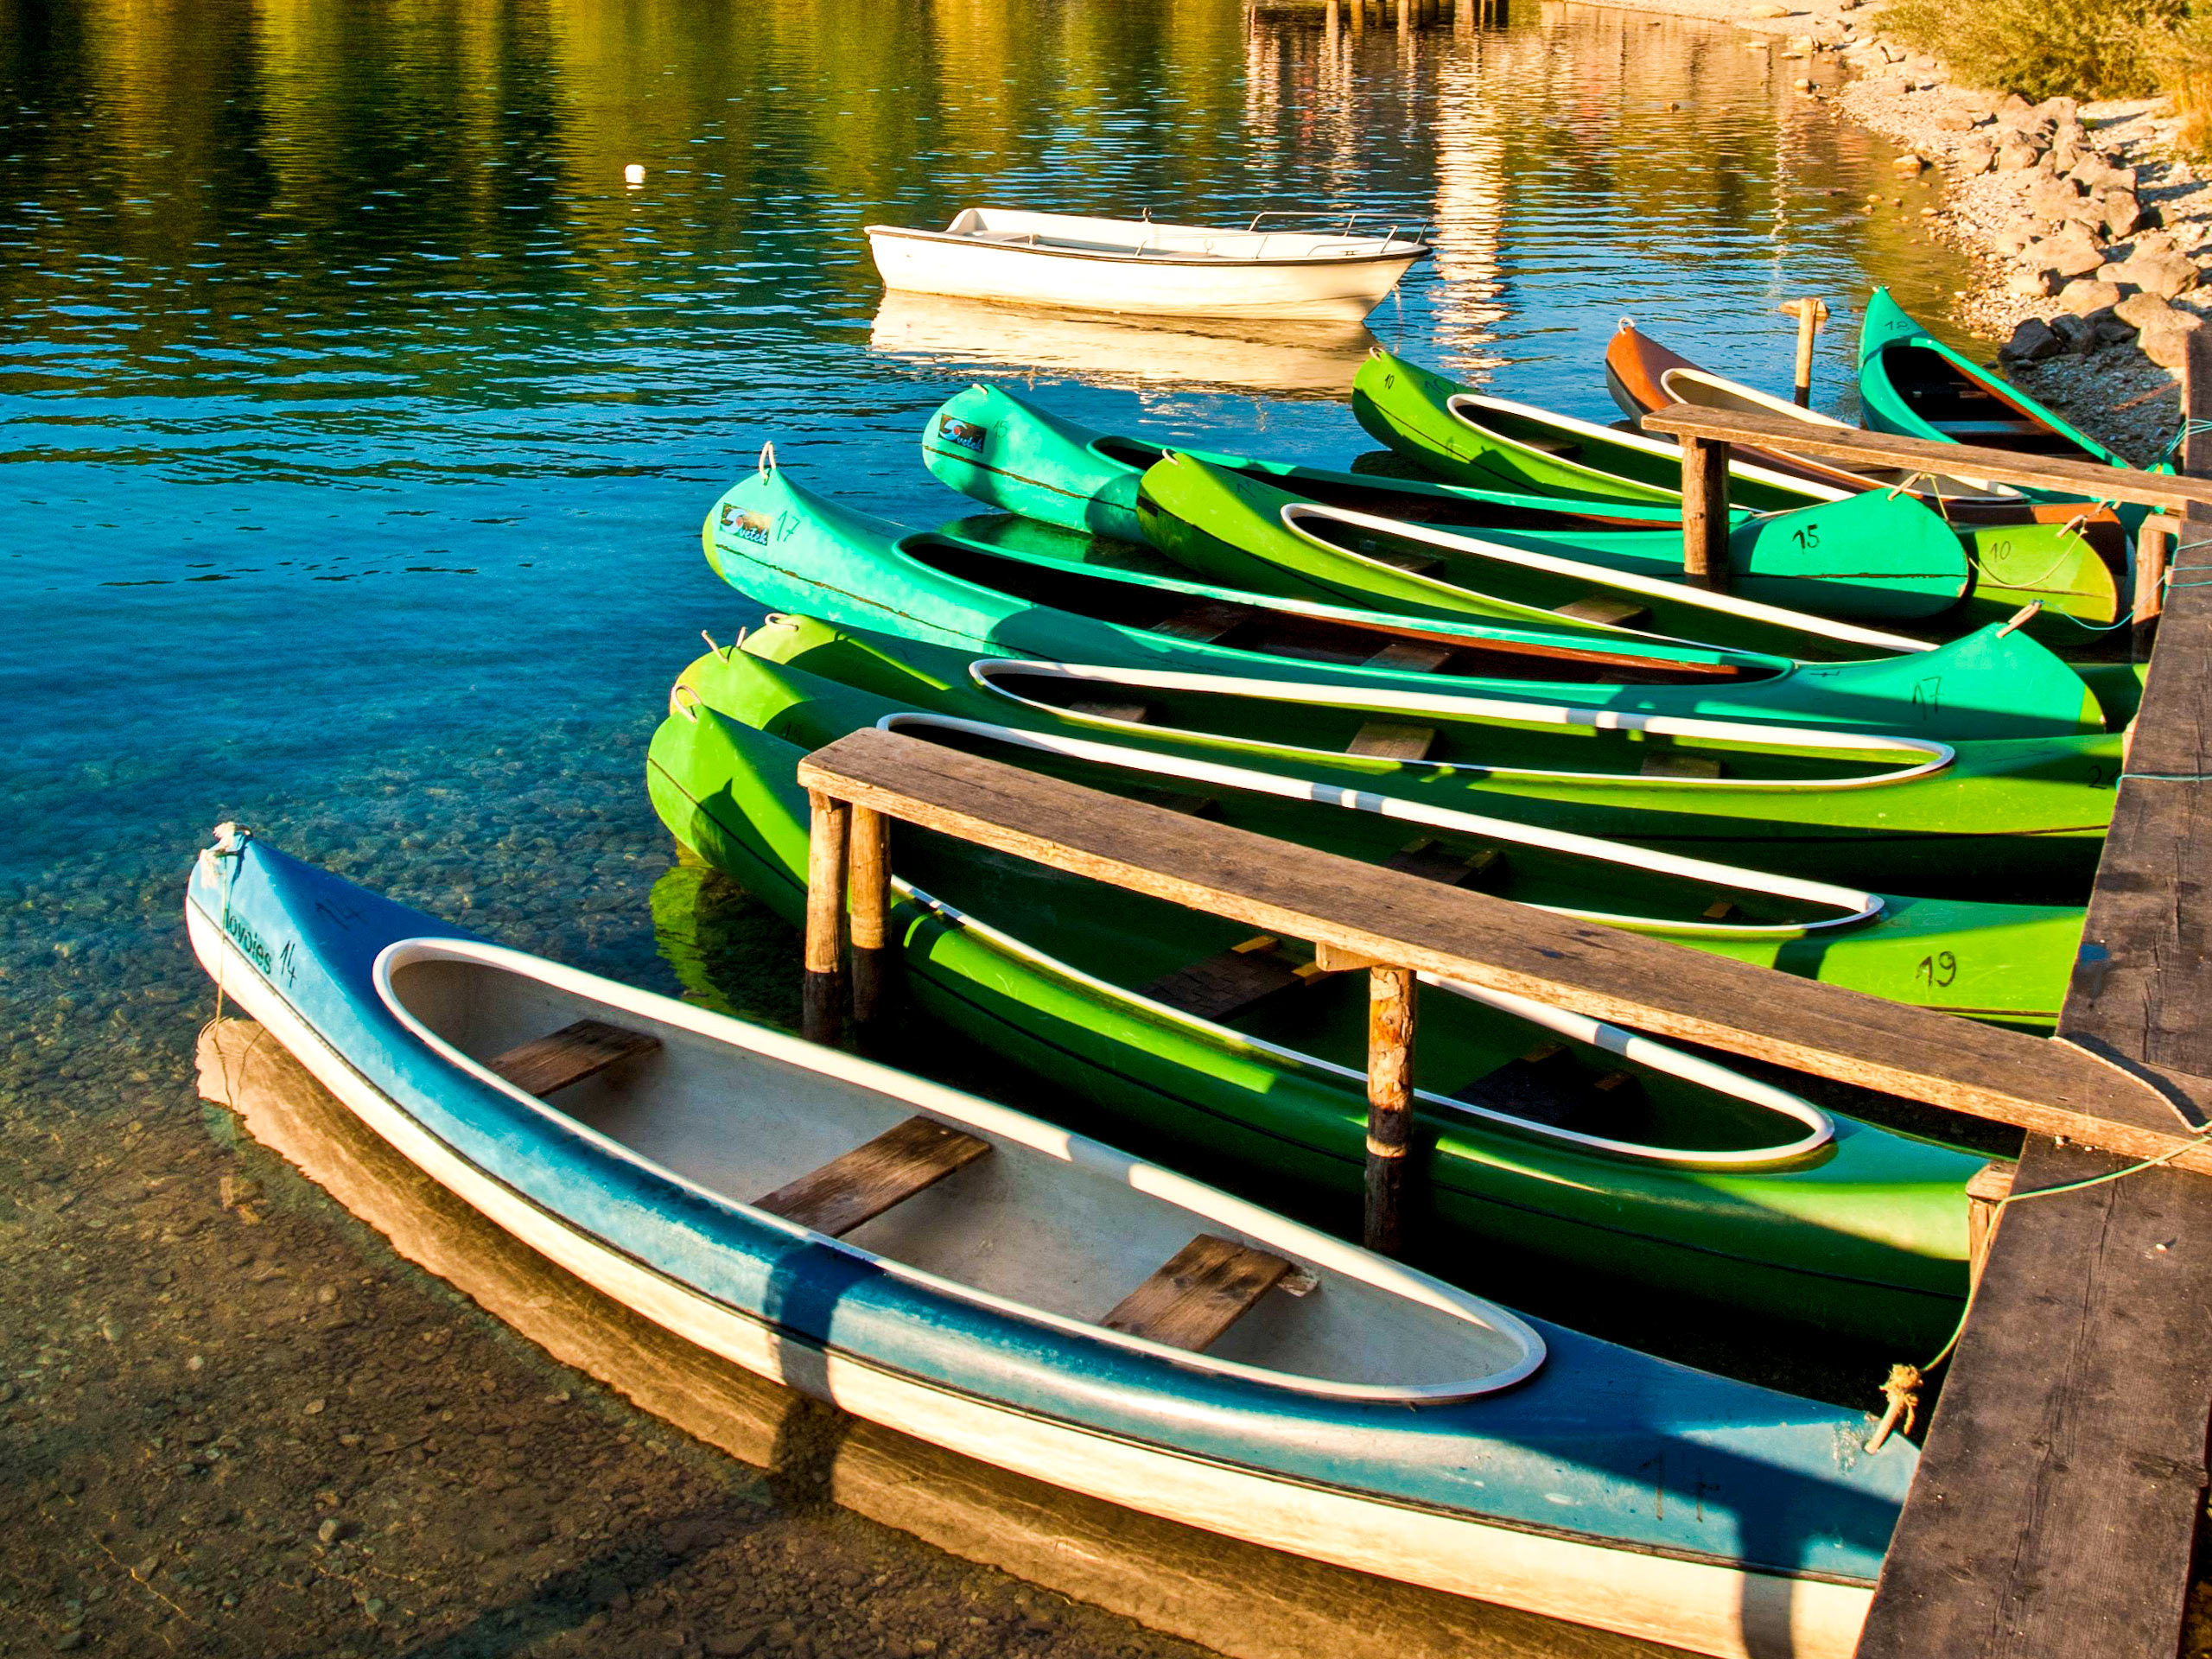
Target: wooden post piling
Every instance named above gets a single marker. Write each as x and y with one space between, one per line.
2154 546
821 999
871 888
1705 512
1810 315
1986 1190
1390 1104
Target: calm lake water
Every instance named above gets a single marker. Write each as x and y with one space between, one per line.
356 420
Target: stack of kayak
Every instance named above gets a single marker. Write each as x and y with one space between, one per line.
1870 761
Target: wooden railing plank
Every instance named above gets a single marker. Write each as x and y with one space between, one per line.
1387 916
2086 478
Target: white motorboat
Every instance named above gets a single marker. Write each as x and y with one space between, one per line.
1123 264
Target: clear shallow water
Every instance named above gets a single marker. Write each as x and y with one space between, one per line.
356 419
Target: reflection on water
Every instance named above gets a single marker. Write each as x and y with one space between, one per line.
356 418
956 337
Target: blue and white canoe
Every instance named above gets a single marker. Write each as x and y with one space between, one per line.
982 1281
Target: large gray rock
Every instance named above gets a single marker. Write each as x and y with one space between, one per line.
2062 156
2015 154
2167 345
1973 157
2122 212
2163 274
2072 252
2147 312
2031 342
2032 285
2094 172
2086 294
2076 334
2053 198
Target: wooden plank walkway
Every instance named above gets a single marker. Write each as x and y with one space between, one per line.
1366 912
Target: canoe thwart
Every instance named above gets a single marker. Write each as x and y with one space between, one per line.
1413 656
1231 982
1392 740
1672 764
1547 1085
1203 623
1609 612
1432 860
1128 713
545 1065
860 1185
1206 1287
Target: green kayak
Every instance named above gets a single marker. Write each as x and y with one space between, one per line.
793 550
993 446
2006 962
1983 820
1470 438
1243 533
1586 1155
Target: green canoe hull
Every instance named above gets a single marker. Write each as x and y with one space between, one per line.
995 448
1243 533
793 550
2004 963
2007 564
2006 820
1865 1237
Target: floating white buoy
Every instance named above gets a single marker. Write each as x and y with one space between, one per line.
633 174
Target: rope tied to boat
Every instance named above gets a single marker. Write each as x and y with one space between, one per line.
1910 483
2190 428
1902 1392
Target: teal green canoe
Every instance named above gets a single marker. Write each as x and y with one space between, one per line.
1592 1156
793 550
2006 962
1912 383
1872 556
1995 820
1469 437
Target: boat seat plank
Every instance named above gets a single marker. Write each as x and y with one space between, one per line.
1206 1288
1411 560
1433 862
1669 764
1412 655
1231 982
1392 739
862 1183
1203 622
1604 608
1564 447
1548 1085
1130 713
545 1065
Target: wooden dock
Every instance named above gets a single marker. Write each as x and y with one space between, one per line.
2064 1470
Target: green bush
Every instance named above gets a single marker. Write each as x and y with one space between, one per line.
2043 48
2184 62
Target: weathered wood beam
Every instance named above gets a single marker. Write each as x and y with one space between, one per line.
1382 915
2086 478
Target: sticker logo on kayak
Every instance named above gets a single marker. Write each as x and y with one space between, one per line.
966 433
748 527
249 943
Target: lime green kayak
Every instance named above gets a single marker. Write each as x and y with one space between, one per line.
2006 962
1589 1156
1243 533
1871 557
2001 820
1468 438
793 550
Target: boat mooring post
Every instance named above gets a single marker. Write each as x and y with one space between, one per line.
1705 512
1390 1104
1810 315
871 888
822 996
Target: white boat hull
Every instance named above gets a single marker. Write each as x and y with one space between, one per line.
1708 1607
1181 278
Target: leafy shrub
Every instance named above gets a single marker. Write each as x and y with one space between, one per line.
2043 48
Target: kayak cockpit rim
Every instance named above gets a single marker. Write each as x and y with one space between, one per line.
1294 515
1486 1323
1933 757
1853 905
1819 1127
